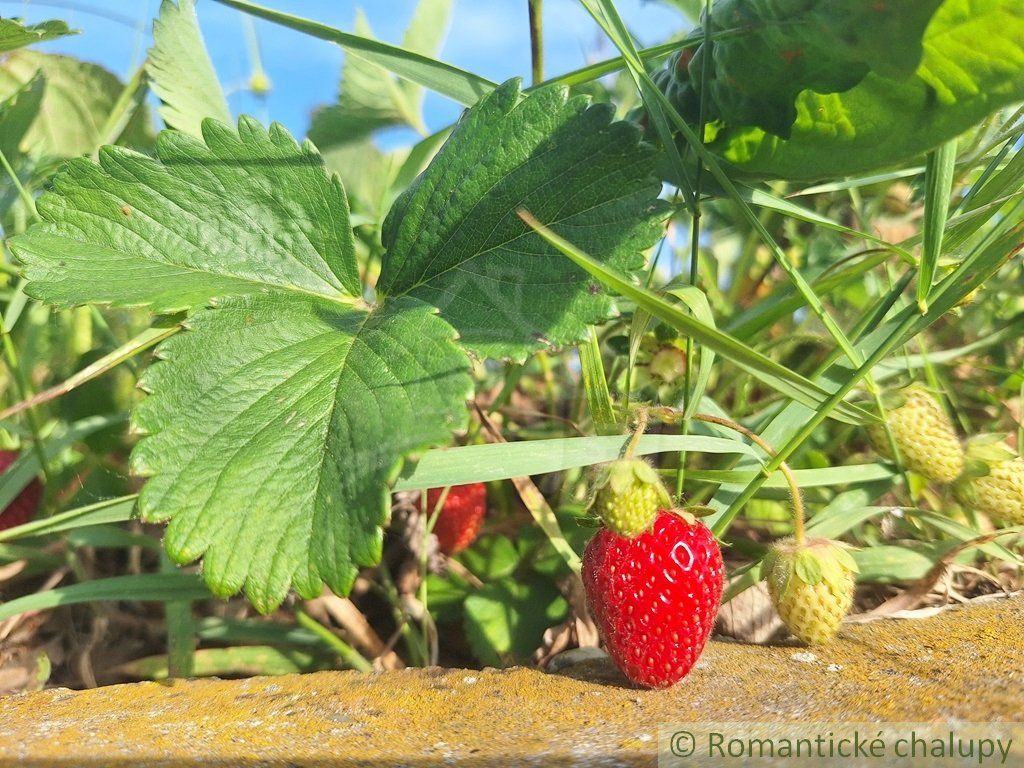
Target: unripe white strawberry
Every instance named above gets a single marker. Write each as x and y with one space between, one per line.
923 433
993 482
811 586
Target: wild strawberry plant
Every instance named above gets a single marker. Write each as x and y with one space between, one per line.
327 313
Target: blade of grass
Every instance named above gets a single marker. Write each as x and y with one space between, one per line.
851 474
181 629
595 386
146 587
697 303
775 375
111 511
349 655
457 84
500 461
938 181
148 338
240 661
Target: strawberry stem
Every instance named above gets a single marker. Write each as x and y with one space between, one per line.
799 533
638 432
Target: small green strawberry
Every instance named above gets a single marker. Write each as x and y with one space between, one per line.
630 495
668 363
811 586
923 434
993 482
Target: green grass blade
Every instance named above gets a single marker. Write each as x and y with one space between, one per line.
180 629
457 84
764 199
155 587
500 461
697 302
852 474
110 511
748 323
595 385
775 375
964 533
140 343
938 181
243 661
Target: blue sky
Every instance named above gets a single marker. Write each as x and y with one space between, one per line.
487 36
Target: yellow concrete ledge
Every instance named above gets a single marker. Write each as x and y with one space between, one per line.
965 664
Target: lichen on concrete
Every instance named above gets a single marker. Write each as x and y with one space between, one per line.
964 664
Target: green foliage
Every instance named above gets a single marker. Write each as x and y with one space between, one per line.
15 34
505 620
312 357
77 102
973 64
173 231
275 425
790 46
454 238
278 419
17 113
180 71
370 98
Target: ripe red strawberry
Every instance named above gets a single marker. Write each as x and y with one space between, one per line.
461 516
25 504
655 597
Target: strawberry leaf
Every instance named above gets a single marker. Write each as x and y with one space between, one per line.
15 34
454 238
825 46
889 118
77 103
276 421
370 97
245 212
180 71
275 426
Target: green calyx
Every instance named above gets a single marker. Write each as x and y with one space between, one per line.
817 561
811 586
630 496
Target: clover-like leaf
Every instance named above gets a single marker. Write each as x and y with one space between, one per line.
245 212
275 425
454 238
